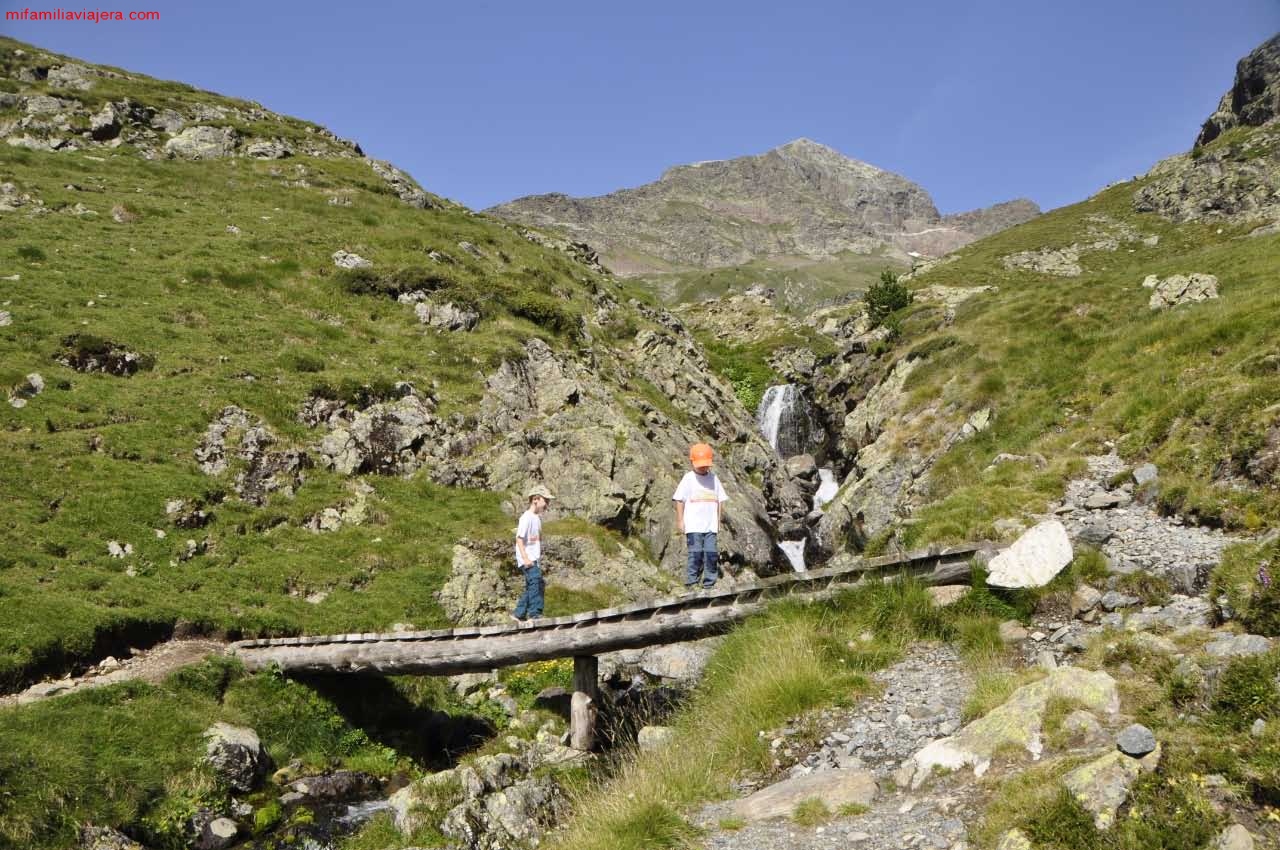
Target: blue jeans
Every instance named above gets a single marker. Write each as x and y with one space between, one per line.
530 604
702 558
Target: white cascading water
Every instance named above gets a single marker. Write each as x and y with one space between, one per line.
783 420
769 415
827 488
794 550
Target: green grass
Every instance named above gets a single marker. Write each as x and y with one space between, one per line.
811 812
1066 363
211 307
129 754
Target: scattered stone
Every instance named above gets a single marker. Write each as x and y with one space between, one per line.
6 318
236 754
30 387
654 737
1145 474
1136 740
1234 837
346 260
1011 631
1033 559
1084 599
1094 534
1102 786
1180 289
1113 599
106 838
1237 646
447 316
948 594
1046 660
1014 839
1103 500
217 834
117 550
1259 728
835 788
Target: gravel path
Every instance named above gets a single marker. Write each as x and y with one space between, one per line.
922 699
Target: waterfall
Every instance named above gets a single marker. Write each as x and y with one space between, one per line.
827 489
794 550
783 419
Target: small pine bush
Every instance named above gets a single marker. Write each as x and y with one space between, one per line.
886 297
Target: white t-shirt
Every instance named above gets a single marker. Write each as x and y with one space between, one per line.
529 531
701 495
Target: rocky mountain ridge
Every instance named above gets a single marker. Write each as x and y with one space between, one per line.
800 200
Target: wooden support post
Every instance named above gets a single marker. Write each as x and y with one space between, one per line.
582 716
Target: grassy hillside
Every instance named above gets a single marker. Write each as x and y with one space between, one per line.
219 273
1067 363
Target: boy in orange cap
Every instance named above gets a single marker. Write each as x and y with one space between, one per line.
698 499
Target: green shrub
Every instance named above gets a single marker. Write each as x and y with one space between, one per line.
31 253
391 284
1247 691
360 394
545 311
886 296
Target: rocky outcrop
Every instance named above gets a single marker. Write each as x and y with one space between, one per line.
550 417
1016 724
1180 289
802 199
202 143
495 801
237 756
1254 98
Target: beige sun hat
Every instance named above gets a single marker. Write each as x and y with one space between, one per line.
539 490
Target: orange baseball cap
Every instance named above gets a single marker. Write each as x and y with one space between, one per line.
700 454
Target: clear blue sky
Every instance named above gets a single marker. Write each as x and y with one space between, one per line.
978 101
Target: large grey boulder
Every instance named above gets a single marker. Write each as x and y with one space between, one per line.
202 142
236 755
1034 558
835 788
1017 723
1237 646
1180 289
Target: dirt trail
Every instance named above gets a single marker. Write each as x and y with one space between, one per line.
150 665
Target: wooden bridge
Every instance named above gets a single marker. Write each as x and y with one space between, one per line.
583 636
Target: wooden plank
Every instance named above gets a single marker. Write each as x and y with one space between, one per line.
629 626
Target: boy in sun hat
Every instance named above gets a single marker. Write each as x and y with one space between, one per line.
698 501
529 554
